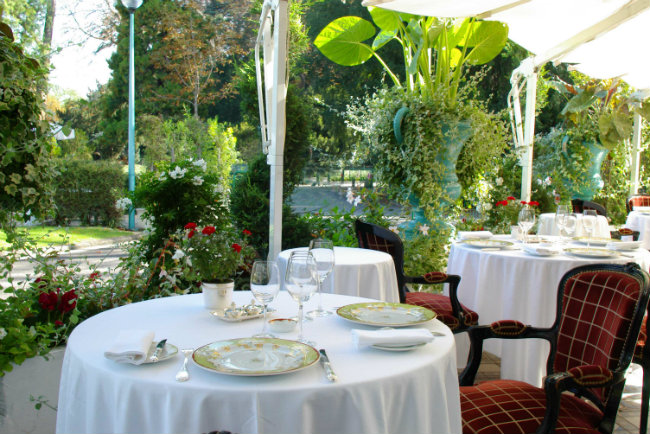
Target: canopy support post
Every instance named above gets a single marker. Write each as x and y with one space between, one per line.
635 163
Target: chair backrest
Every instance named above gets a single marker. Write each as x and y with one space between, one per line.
637 200
375 237
600 310
580 205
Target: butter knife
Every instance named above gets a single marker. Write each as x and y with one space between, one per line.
159 349
325 361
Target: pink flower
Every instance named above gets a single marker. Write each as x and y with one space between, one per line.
236 247
208 230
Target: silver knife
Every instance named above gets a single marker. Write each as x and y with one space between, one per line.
325 361
159 349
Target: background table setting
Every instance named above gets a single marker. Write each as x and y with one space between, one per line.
359 272
547 226
409 386
503 278
639 220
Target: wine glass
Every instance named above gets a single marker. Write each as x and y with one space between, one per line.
265 284
302 280
588 222
561 215
323 252
570 226
526 221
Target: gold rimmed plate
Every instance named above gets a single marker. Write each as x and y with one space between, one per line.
386 314
595 241
591 253
488 244
255 356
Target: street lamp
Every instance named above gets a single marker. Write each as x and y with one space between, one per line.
131 5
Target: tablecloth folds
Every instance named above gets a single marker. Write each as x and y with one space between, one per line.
466 235
130 346
362 338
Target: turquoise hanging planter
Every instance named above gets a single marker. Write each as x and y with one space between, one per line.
587 187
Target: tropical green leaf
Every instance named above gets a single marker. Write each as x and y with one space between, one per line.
454 57
580 102
382 39
341 41
385 19
487 39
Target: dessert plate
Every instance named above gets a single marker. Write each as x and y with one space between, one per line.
386 314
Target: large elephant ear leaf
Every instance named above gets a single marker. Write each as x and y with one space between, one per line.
382 39
386 20
582 101
486 39
341 41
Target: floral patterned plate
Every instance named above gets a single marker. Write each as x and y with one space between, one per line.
595 241
386 314
255 356
485 244
591 253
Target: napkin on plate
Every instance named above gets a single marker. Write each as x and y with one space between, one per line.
466 235
623 245
542 249
130 346
362 338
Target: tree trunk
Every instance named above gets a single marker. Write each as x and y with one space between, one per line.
49 27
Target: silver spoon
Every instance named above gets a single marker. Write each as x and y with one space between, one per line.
183 374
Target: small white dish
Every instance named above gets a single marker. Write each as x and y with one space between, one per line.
282 325
397 347
167 353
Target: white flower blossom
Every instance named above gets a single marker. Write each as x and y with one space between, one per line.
499 181
349 195
201 164
394 229
178 254
3 332
162 176
197 180
547 181
487 206
123 204
177 173
162 274
424 229
357 201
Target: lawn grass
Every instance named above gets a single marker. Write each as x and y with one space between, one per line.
59 236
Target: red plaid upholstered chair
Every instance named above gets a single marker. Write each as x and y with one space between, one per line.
580 205
642 358
449 310
637 200
599 315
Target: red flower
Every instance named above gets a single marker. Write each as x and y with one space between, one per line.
510 198
191 234
236 247
523 202
94 275
502 203
247 232
48 300
68 301
58 323
533 203
208 230
42 283
190 226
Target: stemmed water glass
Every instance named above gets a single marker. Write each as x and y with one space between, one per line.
561 215
302 280
588 222
323 252
570 226
526 221
265 284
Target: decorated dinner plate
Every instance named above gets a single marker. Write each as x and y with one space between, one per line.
397 347
484 244
386 314
255 356
594 241
169 352
591 253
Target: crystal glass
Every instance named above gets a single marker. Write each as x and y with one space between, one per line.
570 226
588 222
302 280
265 284
561 215
526 221
323 252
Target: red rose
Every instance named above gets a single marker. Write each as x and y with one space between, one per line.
236 247
42 283
533 203
48 300
68 301
208 230
94 275
190 226
502 203
58 323
247 232
191 234
510 198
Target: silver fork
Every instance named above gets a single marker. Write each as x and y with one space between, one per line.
183 374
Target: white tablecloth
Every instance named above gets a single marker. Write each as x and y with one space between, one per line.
507 284
640 221
377 392
547 226
358 272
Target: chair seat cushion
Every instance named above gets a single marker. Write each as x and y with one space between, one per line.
508 406
441 305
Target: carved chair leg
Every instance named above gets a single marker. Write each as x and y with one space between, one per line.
645 397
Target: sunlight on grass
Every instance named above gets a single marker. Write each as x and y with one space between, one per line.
58 236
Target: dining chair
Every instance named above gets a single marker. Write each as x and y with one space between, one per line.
580 205
637 200
448 309
600 308
642 358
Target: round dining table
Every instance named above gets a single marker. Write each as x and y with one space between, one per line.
511 284
640 221
547 226
360 272
377 391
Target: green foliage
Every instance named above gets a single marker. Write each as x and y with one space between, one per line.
25 172
87 190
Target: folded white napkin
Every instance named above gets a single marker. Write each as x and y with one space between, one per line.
362 338
130 346
466 235
624 245
541 249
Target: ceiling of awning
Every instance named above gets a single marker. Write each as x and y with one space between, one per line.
602 38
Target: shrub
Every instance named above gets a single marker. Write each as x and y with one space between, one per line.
88 190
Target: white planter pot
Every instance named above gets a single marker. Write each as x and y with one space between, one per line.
36 377
217 296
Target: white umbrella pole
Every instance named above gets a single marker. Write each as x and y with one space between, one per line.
636 155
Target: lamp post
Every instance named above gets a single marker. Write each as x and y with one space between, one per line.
131 6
